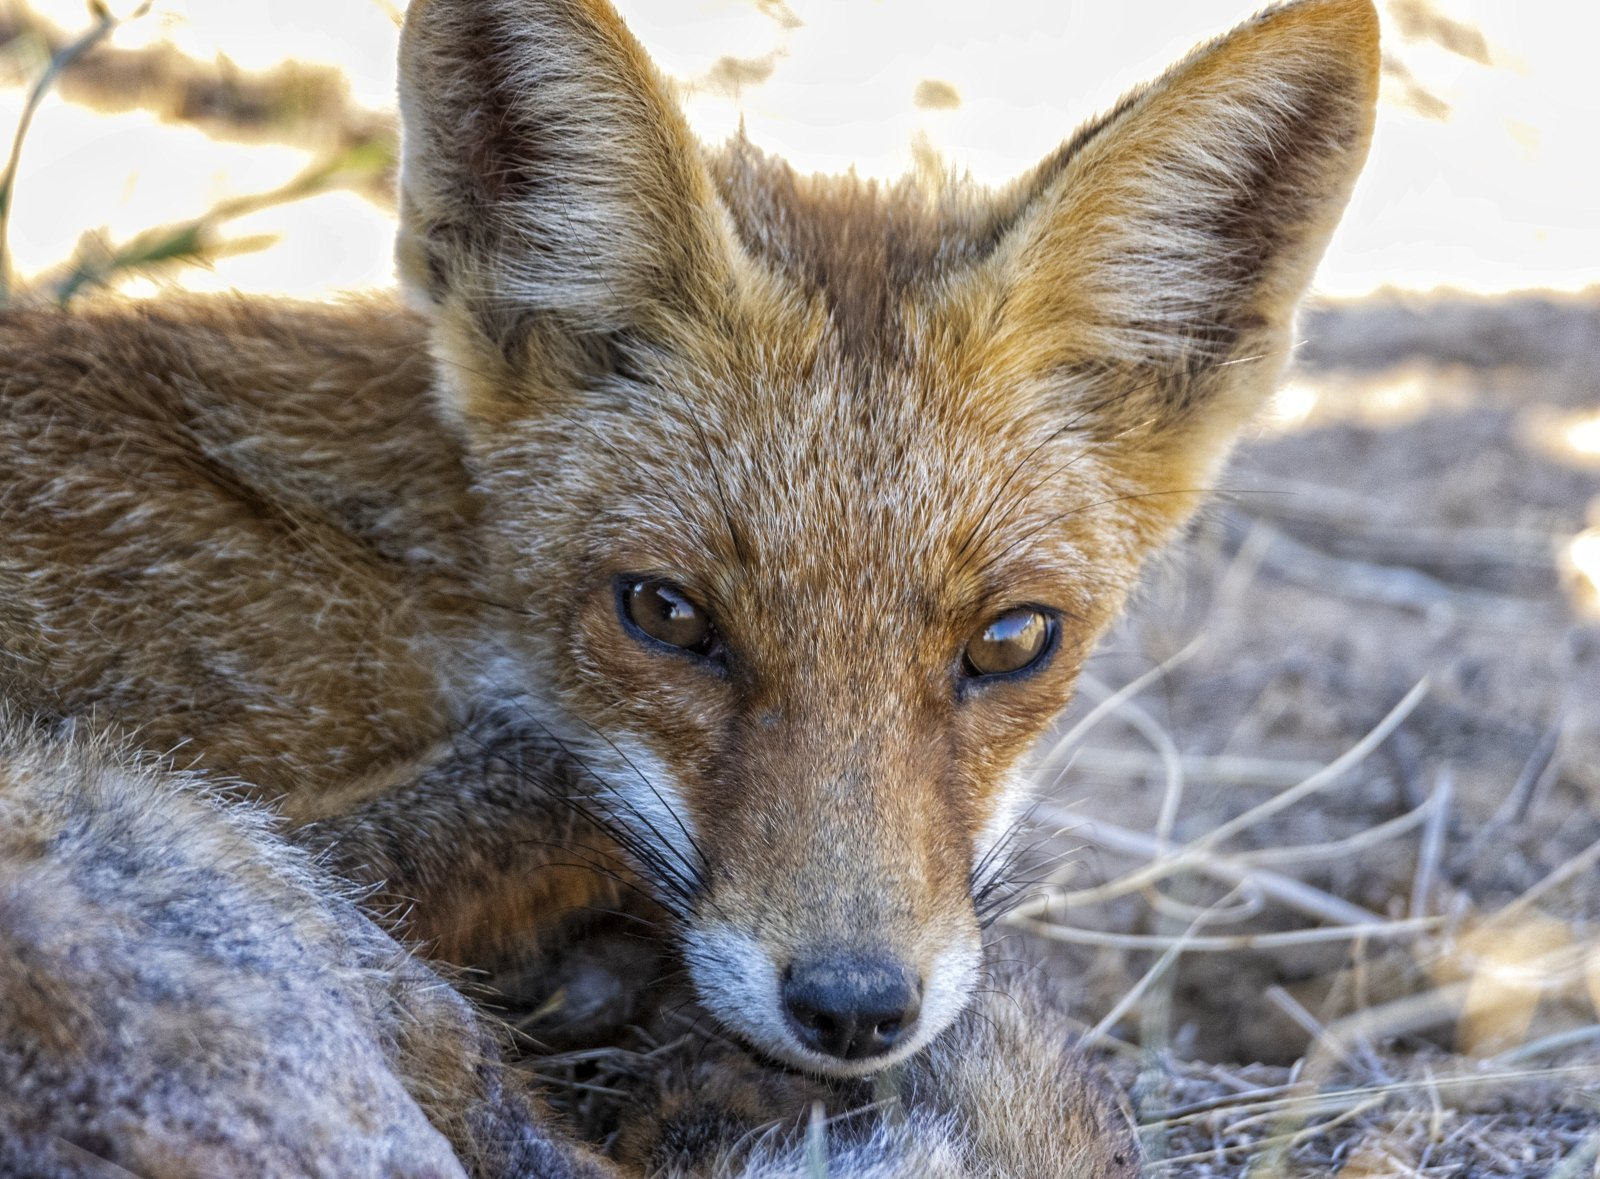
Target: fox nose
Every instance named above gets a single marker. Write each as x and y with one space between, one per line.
851 1006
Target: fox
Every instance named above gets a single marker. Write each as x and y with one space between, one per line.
692 539
235 1011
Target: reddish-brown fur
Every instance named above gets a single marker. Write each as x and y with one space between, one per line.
855 424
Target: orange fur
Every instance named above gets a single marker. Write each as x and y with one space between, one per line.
368 559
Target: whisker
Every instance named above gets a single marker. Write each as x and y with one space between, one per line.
973 538
679 894
651 786
990 519
687 883
609 799
1099 503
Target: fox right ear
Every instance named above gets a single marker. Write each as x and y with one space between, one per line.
1178 233
549 181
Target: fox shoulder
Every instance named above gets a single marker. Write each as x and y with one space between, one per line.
223 518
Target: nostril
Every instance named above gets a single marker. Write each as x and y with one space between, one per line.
852 1006
812 1019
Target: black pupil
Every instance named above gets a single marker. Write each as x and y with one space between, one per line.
1009 643
665 614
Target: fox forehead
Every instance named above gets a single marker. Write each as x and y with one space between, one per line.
870 250
796 472
841 407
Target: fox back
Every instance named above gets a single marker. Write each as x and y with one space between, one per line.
783 510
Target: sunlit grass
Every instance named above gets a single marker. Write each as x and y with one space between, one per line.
1583 436
1571 437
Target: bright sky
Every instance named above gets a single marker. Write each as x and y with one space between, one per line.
1502 194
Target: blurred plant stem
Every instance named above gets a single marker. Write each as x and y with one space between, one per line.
300 104
96 262
104 23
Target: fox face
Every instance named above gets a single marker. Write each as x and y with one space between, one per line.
811 495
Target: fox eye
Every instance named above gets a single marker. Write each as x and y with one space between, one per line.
1015 641
666 614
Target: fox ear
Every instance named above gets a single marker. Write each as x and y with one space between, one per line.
1178 232
548 178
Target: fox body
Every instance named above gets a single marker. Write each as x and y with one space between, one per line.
187 994
701 528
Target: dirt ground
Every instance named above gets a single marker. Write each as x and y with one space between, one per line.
1400 535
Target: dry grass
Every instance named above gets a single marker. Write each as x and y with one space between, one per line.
1345 821
1366 1097
356 149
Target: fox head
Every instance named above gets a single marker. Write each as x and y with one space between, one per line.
814 494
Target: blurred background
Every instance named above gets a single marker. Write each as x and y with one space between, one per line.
1481 177
1329 803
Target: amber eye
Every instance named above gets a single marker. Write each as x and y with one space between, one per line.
665 613
1014 642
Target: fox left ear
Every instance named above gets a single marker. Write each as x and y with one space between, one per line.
1179 231
549 182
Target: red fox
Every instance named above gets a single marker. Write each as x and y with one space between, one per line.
185 995
705 530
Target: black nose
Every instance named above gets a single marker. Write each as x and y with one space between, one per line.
849 1005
